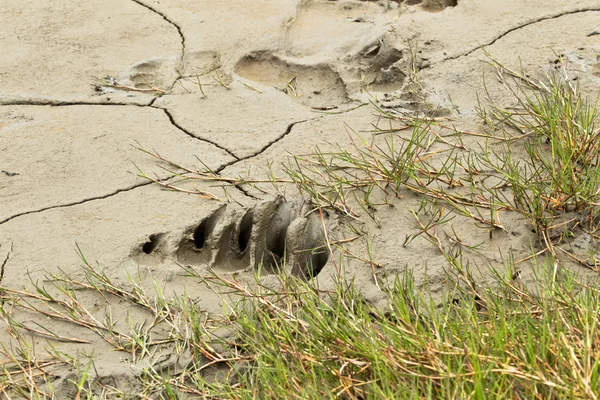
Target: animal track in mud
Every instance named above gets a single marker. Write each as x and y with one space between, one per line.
370 59
432 5
314 85
266 236
155 73
162 72
429 5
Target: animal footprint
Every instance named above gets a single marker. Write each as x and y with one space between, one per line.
315 85
433 5
266 236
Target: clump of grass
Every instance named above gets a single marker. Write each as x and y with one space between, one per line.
505 342
560 130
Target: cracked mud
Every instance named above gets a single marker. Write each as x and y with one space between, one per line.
235 88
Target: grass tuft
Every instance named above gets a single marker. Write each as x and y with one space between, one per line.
501 341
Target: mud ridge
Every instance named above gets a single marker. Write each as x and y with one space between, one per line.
526 24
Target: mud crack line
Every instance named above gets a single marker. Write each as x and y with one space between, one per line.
65 103
74 203
59 103
3 266
287 131
280 137
101 197
523 25
272 142
190 134
168 20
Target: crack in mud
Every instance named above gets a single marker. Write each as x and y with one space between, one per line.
105 196
190 134
133 187
67 103
183 49
245 192
265 147
287 131
151 104
75 203
3 266
526 24
277 139
60 103
170 21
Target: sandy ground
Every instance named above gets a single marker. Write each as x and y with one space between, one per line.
222 69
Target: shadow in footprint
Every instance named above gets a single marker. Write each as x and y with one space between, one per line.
195 240
152 243
244 234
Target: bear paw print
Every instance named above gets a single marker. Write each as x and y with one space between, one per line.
268 236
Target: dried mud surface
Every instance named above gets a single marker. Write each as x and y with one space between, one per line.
240 87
